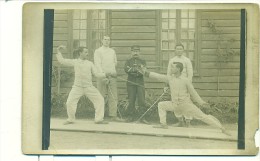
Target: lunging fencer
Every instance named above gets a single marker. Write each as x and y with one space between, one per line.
84 70
182 91
186 72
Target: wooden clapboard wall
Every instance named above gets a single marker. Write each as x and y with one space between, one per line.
61 29
228 21
140 27
134 27
62 36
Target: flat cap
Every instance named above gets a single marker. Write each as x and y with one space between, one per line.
135 47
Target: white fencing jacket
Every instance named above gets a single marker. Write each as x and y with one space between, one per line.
84 69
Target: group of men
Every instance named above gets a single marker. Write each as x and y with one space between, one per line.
179 79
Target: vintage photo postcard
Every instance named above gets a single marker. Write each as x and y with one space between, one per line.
140 79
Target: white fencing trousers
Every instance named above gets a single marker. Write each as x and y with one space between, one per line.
188 110
94 96
111 91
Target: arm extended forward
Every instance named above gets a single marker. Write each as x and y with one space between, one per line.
156 76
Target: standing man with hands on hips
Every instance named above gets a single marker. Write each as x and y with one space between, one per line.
179 57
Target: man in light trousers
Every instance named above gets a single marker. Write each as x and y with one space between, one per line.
106 61
84 70
182 91
187 72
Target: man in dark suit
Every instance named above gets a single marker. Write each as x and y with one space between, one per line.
135 84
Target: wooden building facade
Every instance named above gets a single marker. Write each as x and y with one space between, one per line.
211 39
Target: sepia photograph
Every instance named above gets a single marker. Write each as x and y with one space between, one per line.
140 79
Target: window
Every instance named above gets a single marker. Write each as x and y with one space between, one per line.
178 26
89 27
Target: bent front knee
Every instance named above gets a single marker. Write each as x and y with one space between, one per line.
160 104
70 104
99 101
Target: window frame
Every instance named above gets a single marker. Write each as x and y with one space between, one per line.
197 40
88 31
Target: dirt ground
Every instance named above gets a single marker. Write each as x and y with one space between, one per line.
86 140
